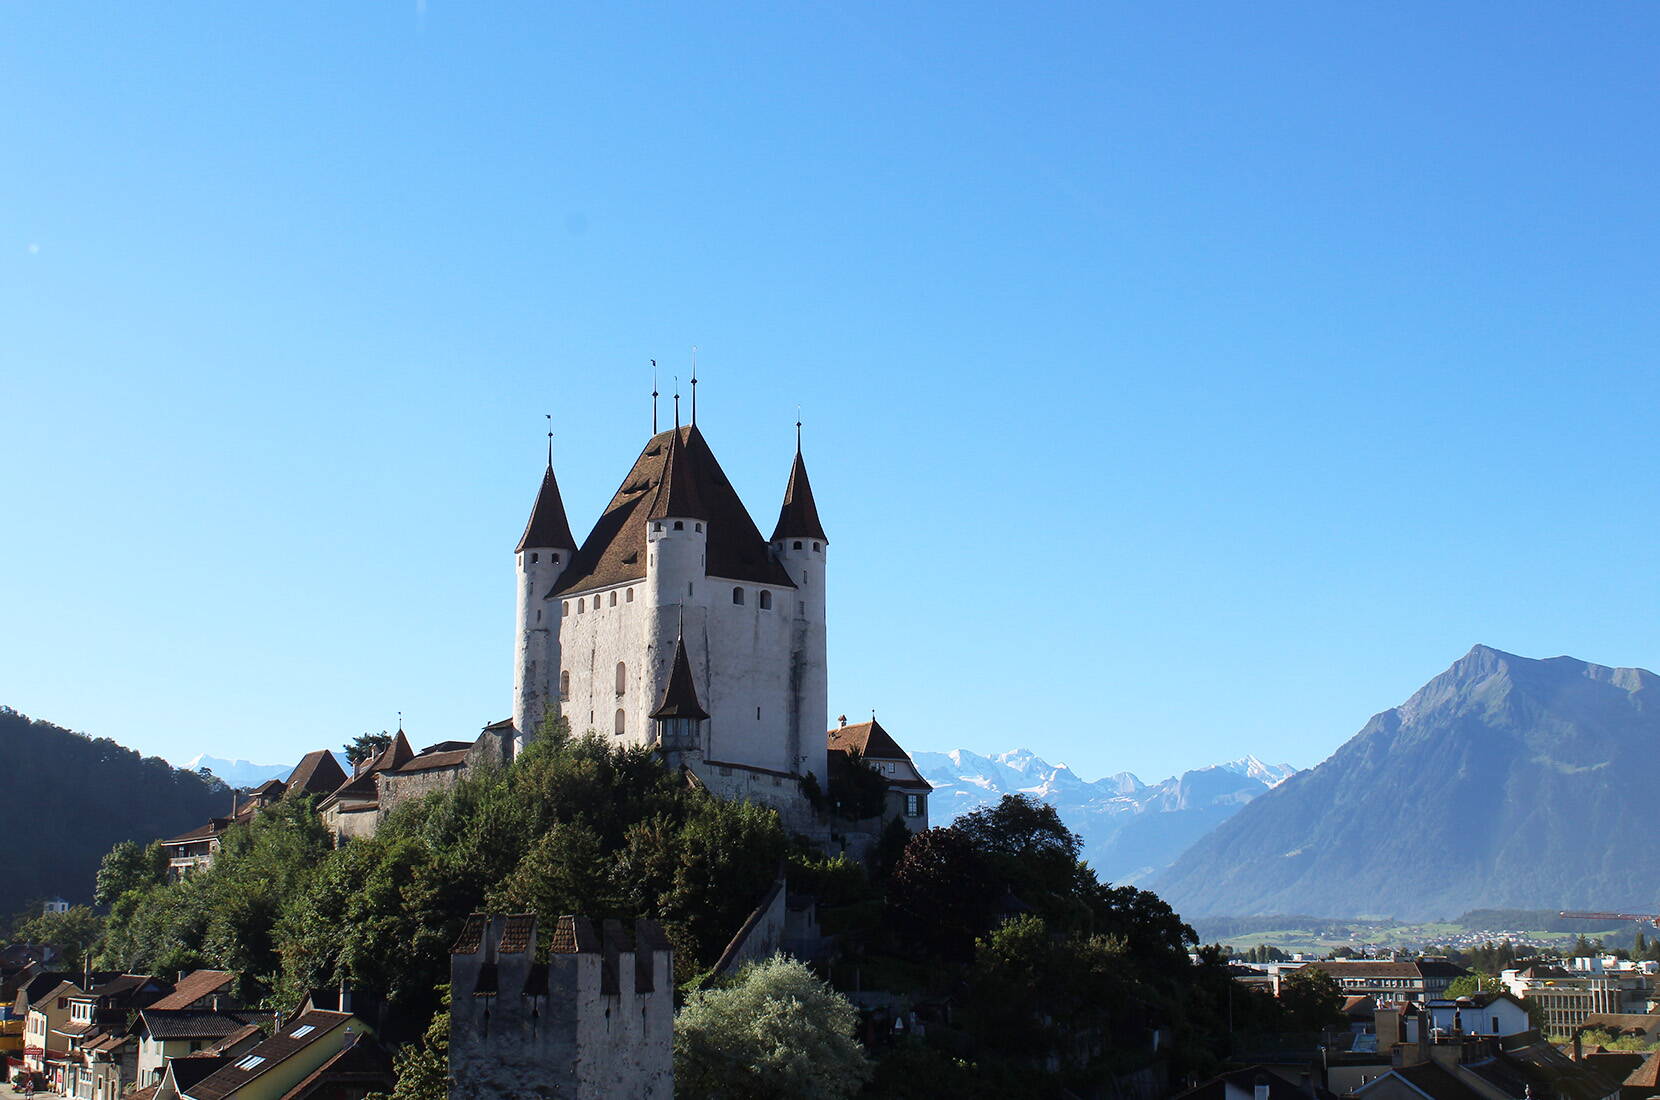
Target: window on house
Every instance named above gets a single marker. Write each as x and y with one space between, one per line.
766 601
622 677
538 614
913 805
679 525
816 548
657 527
534 558
565 684
737 595
688 588
301 1032
618 722
554 559
697 527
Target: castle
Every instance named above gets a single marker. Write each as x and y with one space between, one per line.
675 624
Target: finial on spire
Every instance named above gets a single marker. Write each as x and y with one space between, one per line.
550 440
694 384
798 429
677 402
654 397
400 721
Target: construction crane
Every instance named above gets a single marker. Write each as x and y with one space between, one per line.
1640 918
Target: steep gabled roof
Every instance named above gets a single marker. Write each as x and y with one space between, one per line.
193 987
680 696
548 526
285 1044
316 773
615 550
395 755
869 739
798 518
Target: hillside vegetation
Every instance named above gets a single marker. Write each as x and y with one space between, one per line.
71 798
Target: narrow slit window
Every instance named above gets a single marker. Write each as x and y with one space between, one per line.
619 722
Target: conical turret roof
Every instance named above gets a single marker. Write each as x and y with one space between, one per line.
798 518
677 489
548 526
680 697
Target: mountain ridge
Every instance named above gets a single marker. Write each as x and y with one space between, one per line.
1503 782
1130 828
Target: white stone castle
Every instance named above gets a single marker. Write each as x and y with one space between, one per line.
676 624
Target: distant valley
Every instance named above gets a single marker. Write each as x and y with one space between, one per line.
1131 830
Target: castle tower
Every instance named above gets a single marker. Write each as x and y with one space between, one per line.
679 716
800 545
543 553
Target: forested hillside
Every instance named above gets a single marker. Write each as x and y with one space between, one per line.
70 797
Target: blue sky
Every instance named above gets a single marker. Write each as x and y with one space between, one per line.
1180 381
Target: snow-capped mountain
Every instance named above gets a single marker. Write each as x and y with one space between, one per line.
238 773
1131 829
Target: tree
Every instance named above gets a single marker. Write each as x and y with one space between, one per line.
1312 1000
775 1031
128 867
937 893
423 1069
366 746
1471 984
73 933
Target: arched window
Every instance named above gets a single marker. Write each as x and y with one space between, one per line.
565 684
555 559
679 525
534 558
698 527
816 547
581 606
613 600
737 595
618 722
629 598
657 527
622 677
798 544
564 609
766 600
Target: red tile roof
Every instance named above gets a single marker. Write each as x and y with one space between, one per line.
194 986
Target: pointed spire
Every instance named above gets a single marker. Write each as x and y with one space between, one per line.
680 697
548 526
677 492
798 518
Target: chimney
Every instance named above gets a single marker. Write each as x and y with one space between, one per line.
178 976
843 720
345 997
1579 1050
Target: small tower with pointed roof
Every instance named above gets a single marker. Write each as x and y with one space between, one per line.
544 552
799 543
679 716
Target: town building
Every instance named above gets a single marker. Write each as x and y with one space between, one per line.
595 1020
318 773
278 1067
869 745
1388 982
1566 997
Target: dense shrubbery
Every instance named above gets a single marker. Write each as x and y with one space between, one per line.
575 826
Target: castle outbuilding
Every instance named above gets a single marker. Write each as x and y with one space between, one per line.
675 584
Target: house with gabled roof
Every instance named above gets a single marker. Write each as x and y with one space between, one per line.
271 1070
867 744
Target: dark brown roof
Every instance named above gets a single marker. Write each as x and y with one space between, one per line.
548 526
201 832
515 938
472 935
680 695
432 761
395 755
1647 1075
798 518
872 742
1632 1022
275 1050
1436 1083
188 1069
615 550
317 773
195 985
271 788
194 1023
1369 968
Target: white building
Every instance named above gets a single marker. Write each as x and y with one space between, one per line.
676 559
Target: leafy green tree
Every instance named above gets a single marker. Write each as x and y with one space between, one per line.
73 932
1312 1000
423 1069
937 894
775 1031
1471 984
127 866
